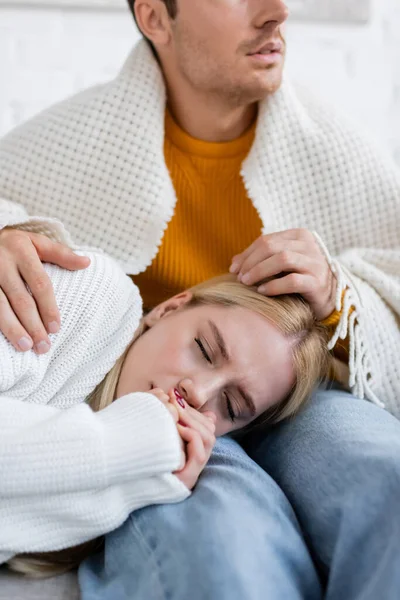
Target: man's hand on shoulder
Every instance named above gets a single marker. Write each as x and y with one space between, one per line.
289 262
26 318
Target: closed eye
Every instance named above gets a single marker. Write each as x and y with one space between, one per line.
203 350
229 407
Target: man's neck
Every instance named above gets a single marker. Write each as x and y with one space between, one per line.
208 120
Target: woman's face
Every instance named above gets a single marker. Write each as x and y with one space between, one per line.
230 361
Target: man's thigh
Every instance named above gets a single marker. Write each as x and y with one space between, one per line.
339 465
235 538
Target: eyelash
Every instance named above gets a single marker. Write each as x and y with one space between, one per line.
229 408
231 413
203 350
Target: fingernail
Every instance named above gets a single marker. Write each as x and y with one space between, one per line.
25 344
181 424
179 398
42 347
245 278
53 327
234 268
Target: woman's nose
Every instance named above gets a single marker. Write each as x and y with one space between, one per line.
195 395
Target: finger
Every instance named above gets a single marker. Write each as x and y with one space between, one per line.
172 411
25 309
210 415
205 427
12 328
268 250
200 417
207 421
283 262
160 394
294 283
203 418
58 254
34 274
289 234
195 451
238 259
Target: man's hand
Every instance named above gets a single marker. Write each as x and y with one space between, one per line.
296 258
26 319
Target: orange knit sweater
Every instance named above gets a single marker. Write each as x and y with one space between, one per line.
214 218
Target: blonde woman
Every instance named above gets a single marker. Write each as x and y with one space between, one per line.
123 411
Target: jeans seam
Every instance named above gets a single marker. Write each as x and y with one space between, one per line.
152 556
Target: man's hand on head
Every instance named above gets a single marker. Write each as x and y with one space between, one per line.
292 262
26 318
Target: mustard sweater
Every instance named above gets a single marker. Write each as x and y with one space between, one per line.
200 242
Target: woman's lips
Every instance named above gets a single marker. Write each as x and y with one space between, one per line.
179 398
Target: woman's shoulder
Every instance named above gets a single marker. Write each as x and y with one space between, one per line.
101 283
95 303
100 310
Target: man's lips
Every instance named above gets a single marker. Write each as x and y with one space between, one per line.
268 48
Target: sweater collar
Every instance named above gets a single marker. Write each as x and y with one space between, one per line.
238 147
142 110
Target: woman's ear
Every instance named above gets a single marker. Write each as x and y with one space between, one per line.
168 307
153 21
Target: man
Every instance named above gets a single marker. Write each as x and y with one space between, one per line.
149 167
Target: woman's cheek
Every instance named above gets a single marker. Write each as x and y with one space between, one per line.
178 360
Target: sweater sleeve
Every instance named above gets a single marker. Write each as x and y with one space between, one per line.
67 476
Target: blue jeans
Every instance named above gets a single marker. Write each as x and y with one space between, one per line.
320 519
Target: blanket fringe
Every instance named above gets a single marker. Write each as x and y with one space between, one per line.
351 324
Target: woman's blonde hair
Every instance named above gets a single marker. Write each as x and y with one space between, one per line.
311 360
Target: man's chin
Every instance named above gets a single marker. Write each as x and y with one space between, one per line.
265 88
271 82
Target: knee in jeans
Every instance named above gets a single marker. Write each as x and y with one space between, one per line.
382 470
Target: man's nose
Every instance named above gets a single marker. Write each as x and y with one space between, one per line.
276 12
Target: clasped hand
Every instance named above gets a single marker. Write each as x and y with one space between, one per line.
197 436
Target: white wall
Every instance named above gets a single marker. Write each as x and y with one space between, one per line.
47 54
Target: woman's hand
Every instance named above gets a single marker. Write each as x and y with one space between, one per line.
197 433
197 430
165 399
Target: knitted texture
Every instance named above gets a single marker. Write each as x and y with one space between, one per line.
68 476
100 311
96 163
202 172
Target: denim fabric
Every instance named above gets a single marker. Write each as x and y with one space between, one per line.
337 466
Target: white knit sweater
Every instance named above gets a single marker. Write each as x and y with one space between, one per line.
96 163
67 476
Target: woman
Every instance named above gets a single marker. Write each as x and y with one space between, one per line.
207 362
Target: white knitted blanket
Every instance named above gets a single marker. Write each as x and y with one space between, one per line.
96 163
